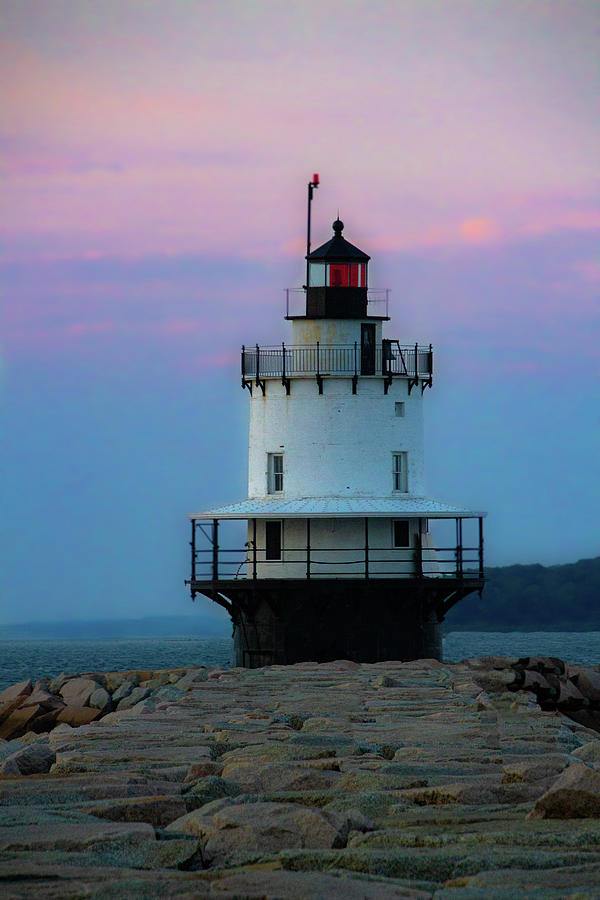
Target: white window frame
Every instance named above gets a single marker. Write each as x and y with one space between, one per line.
400 472
274 473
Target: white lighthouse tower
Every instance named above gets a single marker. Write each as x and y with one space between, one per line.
340 560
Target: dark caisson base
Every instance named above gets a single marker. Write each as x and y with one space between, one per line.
284 622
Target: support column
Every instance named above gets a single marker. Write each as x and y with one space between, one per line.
215 554
481 547
193 546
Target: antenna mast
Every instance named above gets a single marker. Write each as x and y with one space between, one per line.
311 185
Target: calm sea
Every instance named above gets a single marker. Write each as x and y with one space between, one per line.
35 659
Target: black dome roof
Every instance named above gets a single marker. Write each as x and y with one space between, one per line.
338 249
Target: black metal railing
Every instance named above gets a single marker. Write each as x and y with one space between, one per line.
214 563
389 358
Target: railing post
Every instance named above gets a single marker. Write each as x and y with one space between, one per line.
419 553
308 548
254 549
215 531
193 546
366 547
319 379
243 361
416 363
257 364
459 549
284 379
480 547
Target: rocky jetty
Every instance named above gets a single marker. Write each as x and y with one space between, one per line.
80 699
404 780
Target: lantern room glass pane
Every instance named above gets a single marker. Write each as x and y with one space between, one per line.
338 275
316 273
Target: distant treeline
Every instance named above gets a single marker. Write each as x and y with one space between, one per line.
533 598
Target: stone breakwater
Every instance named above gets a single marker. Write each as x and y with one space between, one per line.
392 780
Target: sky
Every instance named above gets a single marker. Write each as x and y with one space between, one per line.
155 161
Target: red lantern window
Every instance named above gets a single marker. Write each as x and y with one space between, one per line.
358 275
338 275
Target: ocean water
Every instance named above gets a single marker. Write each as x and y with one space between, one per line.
21 659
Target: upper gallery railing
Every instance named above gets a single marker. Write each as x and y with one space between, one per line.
378 302
388 358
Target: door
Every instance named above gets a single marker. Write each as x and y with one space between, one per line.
273 540
367 349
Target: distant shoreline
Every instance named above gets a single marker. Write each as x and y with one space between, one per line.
22 635
525 599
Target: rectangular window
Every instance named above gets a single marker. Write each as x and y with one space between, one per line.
338 275
401 533
274 473
400 472
273 540
399 409
317 274
354 275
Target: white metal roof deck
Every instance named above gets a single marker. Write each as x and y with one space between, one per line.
336 507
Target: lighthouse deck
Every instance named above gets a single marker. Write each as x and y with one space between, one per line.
356 550
388 358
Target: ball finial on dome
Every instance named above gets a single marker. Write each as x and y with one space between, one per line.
338 226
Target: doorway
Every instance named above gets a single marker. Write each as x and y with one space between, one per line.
367 348
273 540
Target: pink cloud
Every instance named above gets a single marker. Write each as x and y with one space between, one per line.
210 362
571 218
588 269
479 231
115 149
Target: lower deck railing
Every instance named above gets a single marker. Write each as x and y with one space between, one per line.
219 563
232 564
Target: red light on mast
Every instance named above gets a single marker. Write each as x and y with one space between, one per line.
315 179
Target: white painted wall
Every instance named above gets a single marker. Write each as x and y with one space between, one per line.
336 444
337 550
331 331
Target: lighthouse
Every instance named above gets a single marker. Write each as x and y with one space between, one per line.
337 552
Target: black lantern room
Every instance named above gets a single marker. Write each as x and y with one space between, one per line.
337 279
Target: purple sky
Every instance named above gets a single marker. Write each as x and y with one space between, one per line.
155 165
